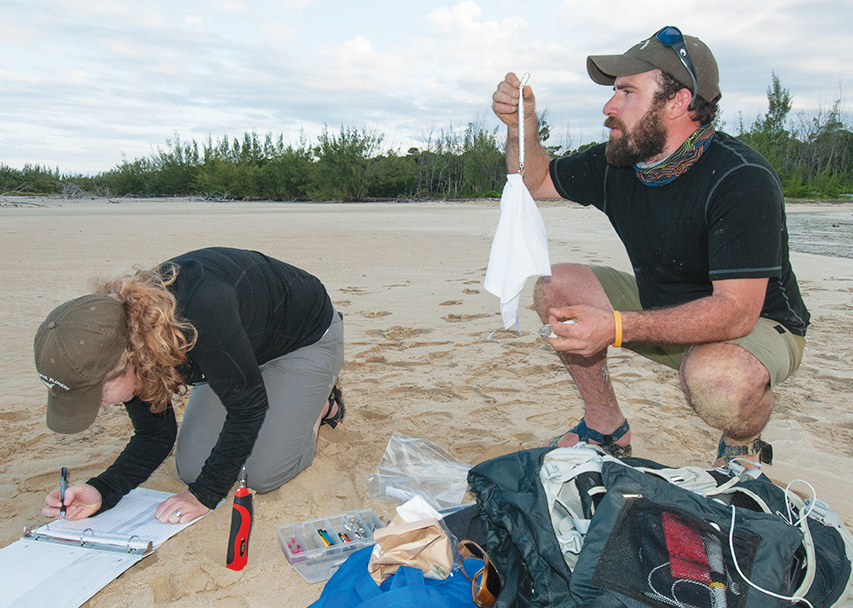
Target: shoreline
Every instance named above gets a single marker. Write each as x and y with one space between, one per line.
792 204
814 226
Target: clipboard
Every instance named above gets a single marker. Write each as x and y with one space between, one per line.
62 564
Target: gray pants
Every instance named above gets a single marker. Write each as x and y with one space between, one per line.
298 385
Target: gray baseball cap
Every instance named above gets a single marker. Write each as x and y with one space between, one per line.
651 53
76 346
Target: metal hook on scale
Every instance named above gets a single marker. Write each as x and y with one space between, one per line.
522 83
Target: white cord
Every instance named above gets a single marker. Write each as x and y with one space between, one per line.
521 86
743 576
788 502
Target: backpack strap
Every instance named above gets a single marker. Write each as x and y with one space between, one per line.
695 479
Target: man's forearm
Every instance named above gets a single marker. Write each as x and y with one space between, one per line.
715 318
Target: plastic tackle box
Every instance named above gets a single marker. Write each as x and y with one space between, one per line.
317 547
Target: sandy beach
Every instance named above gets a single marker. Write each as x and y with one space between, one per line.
408 279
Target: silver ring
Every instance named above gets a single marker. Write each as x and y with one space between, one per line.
177 513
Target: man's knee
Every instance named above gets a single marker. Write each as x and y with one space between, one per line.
728 388
542 296
568 285
713 397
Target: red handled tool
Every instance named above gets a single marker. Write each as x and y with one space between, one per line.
241 526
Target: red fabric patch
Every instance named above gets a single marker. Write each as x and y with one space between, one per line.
686 550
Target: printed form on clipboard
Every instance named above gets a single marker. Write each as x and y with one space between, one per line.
64 563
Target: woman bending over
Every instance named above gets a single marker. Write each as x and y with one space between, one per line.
257 339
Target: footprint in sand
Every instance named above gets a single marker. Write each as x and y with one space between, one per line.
14 416
435 395
398 332
459 318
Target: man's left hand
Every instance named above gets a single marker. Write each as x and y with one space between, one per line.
180 509
593 329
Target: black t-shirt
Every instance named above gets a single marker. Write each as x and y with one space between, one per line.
723 219
247 309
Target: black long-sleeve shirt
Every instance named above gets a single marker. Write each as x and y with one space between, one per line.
247 309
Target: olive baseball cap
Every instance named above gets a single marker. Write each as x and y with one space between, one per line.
76 346
651 53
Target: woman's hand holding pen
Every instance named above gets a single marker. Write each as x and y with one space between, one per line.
81 501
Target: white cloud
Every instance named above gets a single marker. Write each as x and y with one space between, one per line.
83 81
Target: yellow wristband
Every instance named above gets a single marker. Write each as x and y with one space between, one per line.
617 318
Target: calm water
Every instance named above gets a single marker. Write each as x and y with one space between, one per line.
822 232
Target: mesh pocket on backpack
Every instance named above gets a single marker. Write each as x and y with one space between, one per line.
664 556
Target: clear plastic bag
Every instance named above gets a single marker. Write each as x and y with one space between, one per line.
417 467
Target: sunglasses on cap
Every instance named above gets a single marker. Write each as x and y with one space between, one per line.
671 37
486 584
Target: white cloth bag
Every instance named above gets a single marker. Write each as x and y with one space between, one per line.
519 249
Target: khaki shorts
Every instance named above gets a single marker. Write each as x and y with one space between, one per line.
770 342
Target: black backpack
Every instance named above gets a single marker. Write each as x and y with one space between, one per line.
631 533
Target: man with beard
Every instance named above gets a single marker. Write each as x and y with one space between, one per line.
702 219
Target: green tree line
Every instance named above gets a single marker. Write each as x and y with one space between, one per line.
813 155
348 165
814 158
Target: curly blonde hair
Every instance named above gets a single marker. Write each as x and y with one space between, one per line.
158 339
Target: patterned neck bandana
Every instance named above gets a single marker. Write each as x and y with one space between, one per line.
679 161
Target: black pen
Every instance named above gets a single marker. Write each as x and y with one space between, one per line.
63 481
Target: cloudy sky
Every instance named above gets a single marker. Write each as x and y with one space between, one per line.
85 84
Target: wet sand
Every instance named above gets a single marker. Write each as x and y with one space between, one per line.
821 229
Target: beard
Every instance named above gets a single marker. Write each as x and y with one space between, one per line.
646 140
